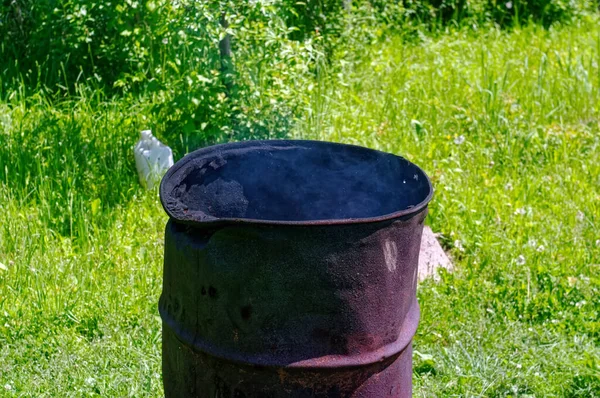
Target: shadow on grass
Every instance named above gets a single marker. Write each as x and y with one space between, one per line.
69 162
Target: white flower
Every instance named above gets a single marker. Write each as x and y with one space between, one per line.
508 186
521 260
7 387
520 211
459 140
532 243
580 216
165 41
540 248
509 5
597 242
90 381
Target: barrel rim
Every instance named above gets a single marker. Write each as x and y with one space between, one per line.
212 221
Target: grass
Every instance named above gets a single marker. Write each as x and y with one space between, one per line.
507 124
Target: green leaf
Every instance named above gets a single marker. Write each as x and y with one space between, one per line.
95 205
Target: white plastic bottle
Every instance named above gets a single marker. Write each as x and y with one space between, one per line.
152 159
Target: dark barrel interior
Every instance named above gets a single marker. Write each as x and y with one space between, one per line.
291 181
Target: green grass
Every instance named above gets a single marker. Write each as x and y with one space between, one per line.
507 124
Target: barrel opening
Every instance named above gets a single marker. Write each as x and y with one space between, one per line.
293 181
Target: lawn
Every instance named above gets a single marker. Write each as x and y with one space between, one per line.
506 123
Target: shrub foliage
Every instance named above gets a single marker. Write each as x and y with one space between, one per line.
169 49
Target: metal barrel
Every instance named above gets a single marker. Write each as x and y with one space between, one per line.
290 270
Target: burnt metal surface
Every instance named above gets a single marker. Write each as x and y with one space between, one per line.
290 271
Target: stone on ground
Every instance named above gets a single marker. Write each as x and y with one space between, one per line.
432 256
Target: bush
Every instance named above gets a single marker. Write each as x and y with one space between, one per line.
260 91
306 18
168 50
126 42
502 12
62 42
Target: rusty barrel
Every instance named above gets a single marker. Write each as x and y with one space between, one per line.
290 270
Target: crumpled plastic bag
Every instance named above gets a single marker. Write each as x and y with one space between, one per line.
152 159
